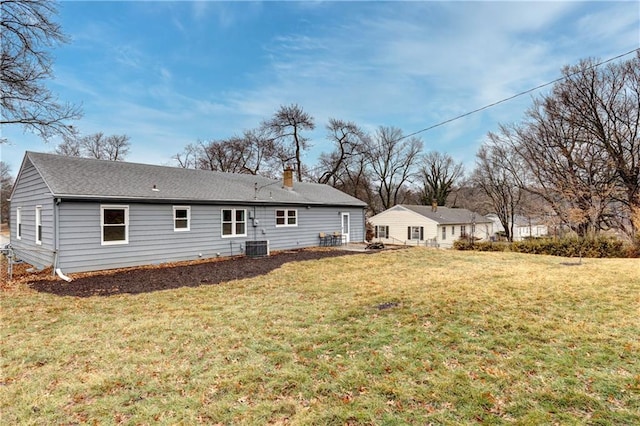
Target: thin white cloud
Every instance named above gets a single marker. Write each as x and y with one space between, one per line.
614 26
488 51
404 64
226 14
411 70
165 74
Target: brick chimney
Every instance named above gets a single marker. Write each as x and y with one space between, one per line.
287 178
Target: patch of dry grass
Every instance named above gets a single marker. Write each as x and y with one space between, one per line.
402 337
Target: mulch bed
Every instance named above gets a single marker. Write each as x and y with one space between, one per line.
149 279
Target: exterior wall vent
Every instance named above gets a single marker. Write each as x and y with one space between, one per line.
257 248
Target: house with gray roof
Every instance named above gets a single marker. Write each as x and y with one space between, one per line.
434 226
523 226
80 214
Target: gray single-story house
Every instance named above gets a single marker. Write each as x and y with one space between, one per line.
80 214
434 226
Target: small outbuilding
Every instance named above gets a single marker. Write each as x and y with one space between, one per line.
434 226
80 214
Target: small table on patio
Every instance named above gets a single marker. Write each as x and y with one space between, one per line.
338 239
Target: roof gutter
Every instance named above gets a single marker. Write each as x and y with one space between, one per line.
146 200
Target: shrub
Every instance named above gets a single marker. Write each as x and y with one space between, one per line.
572 247
463 244
467 244
565 247
633 249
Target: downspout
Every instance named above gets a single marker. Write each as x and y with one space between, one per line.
63 276
56 235
56 240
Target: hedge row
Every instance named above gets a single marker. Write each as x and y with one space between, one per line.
466 244
566 247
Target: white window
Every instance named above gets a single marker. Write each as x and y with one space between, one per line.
444 232
463 230
38 225
381 231
115 224
453 230
181 218
415 233
19 223
234 223
286 217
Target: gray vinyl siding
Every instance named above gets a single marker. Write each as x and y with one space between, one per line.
31 191
311 222
152 239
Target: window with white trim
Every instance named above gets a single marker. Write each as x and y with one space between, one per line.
453 230
285 217
181 218
444 232
415 233
234 223
463 230
38 225
381 231
19 223
114 221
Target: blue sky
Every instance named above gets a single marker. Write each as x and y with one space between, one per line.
171 73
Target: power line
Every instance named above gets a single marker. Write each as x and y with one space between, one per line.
466 114
442 123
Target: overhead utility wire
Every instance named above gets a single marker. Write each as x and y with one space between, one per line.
442 123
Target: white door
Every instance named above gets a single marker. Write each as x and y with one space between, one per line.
345 227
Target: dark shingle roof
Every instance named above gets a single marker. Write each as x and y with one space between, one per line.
447 215
73 177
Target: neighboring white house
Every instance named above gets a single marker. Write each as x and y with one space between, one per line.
524 227
434 226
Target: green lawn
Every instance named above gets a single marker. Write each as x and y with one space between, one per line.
401 337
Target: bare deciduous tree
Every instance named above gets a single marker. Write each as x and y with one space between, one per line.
222 155
92 145
188 158
347 167
6 186
28 30
358 181
439 174
70 146
349 143
95 145
116 147
604 102
497 175
262 153
252 153
580 147
566 169
287 126
393 159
